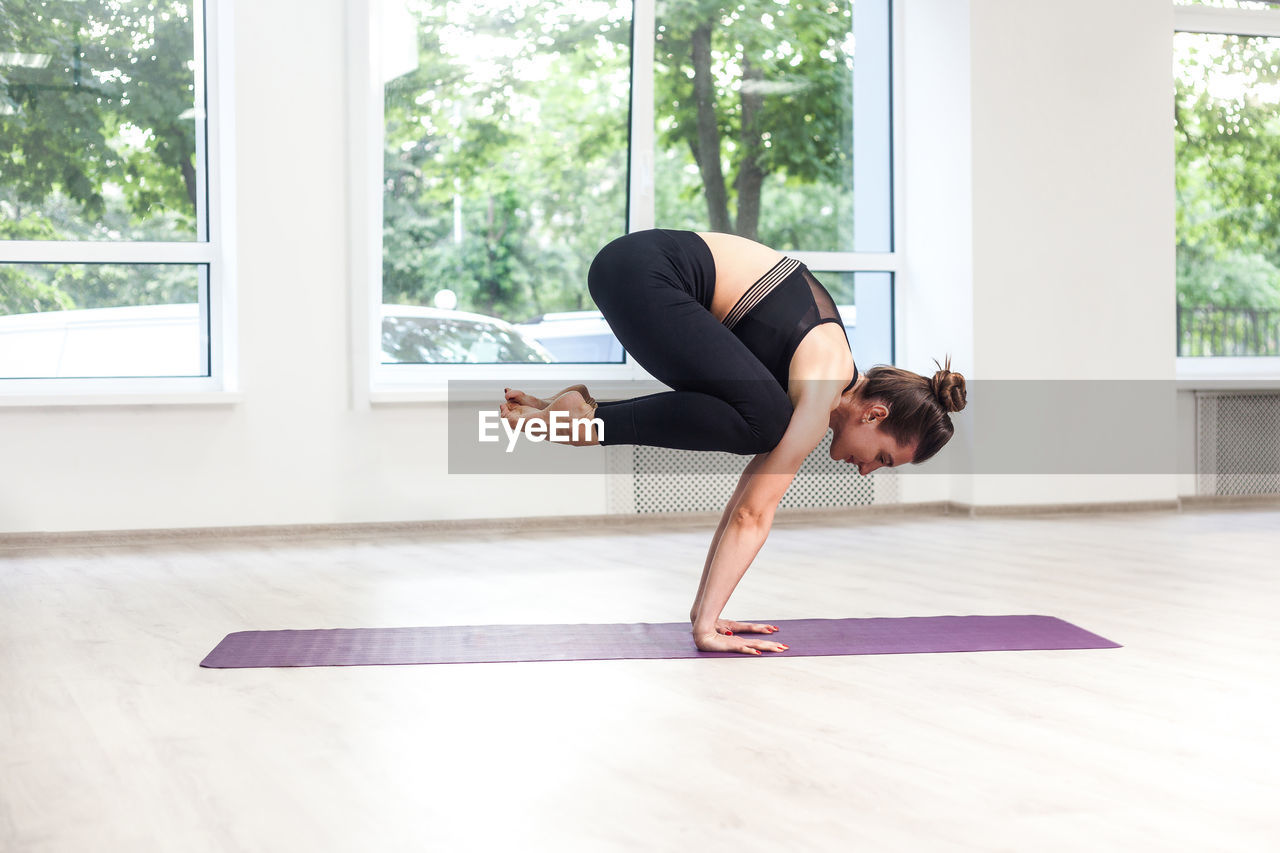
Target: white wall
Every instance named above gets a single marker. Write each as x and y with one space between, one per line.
1039 179
934 291
1073 189
292 451
1073 211
1066 267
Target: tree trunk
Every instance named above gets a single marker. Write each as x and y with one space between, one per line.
706 150
750 175
189 179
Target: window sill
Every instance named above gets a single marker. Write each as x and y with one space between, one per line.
1228 374
473 391
200 398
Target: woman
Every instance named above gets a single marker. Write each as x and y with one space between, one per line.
759 362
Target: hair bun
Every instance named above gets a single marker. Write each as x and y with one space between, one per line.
948 388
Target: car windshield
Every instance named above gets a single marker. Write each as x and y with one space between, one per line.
448 340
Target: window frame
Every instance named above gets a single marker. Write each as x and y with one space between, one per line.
214 73
1193 371
374 383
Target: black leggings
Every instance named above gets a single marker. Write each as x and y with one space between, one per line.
654 288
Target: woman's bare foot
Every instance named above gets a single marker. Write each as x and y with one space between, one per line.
574 425
513 412
520 398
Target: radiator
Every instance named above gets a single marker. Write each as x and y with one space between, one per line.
1237 443
657 479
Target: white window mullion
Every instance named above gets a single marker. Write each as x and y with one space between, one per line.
642 197
59 252
871 108
1243 22
202 116
365 134
219 184
896 124
642 204
848 261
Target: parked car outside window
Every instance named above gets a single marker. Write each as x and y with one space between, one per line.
413 334
168 340
575 336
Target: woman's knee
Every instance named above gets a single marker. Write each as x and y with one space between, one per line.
768 422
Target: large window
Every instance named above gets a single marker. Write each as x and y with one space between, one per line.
1227 135
755 124
107 267
520 136
505 170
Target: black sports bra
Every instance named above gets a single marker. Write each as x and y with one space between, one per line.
775 313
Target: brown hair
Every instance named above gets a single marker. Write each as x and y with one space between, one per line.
918 406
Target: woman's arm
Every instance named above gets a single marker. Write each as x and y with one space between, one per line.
748 520
752 467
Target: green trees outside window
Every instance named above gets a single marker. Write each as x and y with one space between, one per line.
1227 134
99 126
507 148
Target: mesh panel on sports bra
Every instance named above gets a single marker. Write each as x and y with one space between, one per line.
824 306
824 311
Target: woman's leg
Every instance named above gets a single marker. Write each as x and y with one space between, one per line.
724 398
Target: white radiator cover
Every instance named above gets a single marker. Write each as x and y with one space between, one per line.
1237 443
658 479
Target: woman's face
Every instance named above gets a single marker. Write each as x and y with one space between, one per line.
860 441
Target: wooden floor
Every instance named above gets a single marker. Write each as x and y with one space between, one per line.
112 738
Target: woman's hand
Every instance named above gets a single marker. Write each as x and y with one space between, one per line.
716 642
728 626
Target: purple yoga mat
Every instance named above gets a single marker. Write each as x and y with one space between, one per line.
506 643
